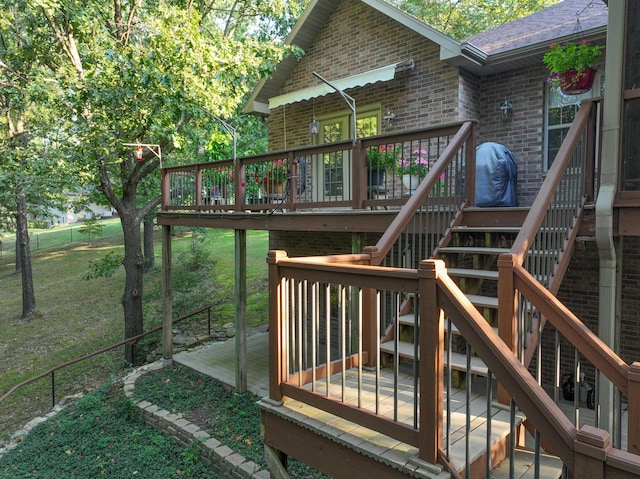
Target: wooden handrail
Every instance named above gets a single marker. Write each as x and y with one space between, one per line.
579 335
530 397
356 153
404 217
549 187
559 433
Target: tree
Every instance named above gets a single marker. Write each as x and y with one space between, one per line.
30 177
464 18
143 71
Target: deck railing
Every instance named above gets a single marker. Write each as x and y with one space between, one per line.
371 173
318 347
546 238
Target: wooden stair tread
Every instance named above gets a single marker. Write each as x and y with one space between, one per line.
473 250
483 301
458 360
485 229
409 320
473 273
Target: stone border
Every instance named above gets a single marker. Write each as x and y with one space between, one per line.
18 436
222 458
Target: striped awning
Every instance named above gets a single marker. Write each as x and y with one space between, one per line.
376 75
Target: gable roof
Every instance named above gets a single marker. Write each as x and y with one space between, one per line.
512 45
525 40
306 29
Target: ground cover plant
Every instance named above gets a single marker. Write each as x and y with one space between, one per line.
100 436
232 418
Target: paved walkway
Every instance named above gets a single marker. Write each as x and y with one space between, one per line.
218 360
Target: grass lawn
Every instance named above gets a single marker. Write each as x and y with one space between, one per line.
76 316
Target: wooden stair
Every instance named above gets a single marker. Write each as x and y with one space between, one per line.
471 258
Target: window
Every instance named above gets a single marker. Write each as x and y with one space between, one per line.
561 110
334 182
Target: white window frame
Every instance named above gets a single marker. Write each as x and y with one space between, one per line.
553 94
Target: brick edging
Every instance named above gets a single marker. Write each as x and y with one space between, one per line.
222 458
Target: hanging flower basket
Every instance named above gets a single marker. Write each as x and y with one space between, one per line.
574 82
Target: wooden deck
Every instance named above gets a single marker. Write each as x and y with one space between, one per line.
397 406
218 360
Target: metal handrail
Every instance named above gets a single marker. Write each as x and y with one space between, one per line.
132 340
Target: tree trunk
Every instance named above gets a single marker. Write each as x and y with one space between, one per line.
149 254
132 296
24 253
18 255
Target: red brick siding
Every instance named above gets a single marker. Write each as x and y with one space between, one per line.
356 39
302 243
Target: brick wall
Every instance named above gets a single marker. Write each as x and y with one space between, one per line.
630 298
523 132
356 39
580 292
303 243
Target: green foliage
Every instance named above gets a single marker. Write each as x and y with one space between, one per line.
94 439
198 255
383 156
464 18
88 77
104 267
91 228
571 56
232 418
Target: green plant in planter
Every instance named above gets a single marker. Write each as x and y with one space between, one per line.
383 156
570 56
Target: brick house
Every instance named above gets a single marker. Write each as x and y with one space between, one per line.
450 81
405 87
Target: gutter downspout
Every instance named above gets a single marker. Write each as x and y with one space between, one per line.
608 313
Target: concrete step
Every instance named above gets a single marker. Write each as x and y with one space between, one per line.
524 467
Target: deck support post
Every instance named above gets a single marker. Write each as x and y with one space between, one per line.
591 448
276 373
167 304
241 309
431 366
370 330
507 311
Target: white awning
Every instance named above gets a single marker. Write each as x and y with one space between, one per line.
385 73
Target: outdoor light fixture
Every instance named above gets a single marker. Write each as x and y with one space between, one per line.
389 117
507 109
314 127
